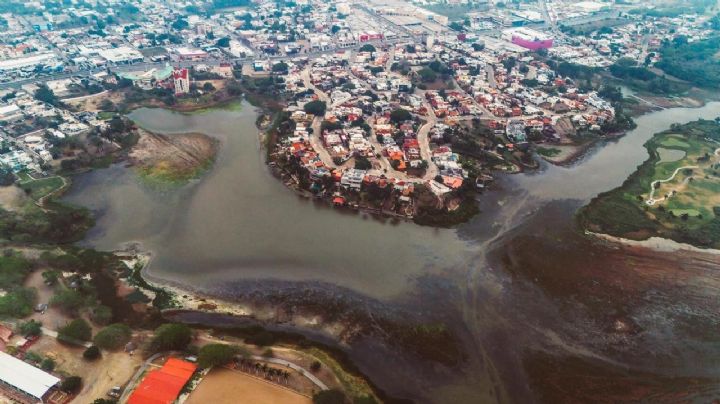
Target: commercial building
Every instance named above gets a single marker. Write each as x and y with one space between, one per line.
528 38
24 382
148 79
121 55
162 386
181 78
30 61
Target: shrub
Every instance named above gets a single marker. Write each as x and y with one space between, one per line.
112 337
101 315
315 366
362 163
71 384
315 107
30 328
68 300
170 337
216 354
18 303
47 364
400 115
92 353
32 356
332 396
75 332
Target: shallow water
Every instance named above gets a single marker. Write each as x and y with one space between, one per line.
670 155
239 223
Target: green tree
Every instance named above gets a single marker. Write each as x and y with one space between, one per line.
50 277
75 332
223 42
91 353
7 177
170 337
47 364
18 303
400 115
367 48
114 336
71 384
180 24
68 299
216 354
427 75
45 94
107 105
101 315
32 328
362 163
315 107
332 396
457 26
280 67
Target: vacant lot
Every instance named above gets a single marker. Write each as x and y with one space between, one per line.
224 386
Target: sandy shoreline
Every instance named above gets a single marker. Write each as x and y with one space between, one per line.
186 298
658 244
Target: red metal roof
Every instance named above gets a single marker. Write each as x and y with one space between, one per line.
162 386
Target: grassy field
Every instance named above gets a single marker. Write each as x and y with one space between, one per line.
685 202
548 151
41 187
105 115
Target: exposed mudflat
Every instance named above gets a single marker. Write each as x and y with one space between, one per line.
173 157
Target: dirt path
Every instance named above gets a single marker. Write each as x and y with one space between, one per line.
41 201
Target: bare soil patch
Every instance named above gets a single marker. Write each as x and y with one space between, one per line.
173 158
224 386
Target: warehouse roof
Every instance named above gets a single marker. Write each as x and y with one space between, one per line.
25 377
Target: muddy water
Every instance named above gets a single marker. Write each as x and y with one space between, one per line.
239 223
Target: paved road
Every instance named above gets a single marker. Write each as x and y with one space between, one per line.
490 75
136 378
315 141
424 140
292 366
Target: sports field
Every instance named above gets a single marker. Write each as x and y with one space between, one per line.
225 386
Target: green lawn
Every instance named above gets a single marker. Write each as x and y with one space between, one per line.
41 187
674 142
548 151
105 115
